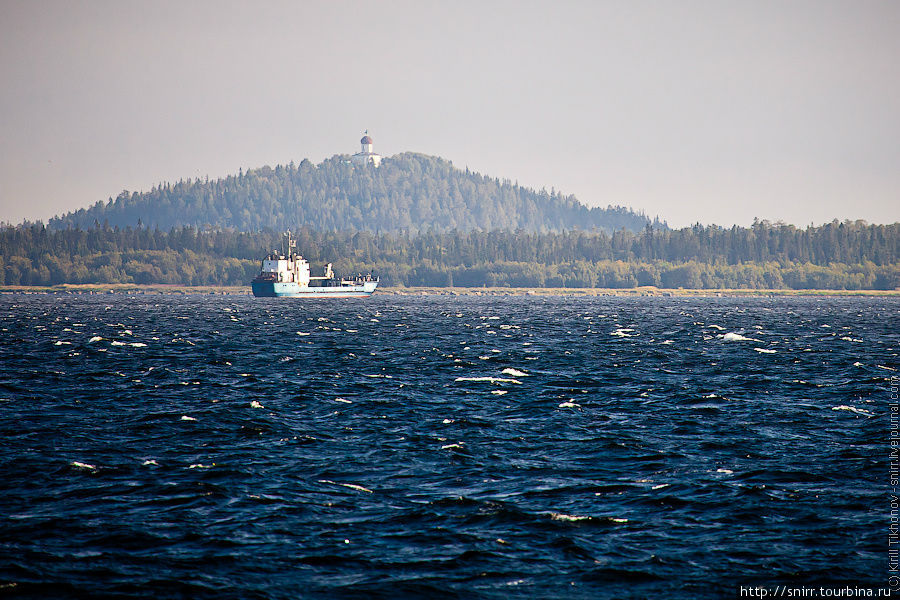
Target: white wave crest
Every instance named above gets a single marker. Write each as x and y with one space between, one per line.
569 518
351 486
514 372
489 380
852 409
736 337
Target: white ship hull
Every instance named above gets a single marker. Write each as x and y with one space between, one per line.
270 289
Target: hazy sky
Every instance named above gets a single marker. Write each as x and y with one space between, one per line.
712 111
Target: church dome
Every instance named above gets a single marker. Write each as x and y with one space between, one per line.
366 140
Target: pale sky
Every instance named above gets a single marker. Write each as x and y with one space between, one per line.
708 111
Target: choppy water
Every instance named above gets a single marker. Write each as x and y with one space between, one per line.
215 447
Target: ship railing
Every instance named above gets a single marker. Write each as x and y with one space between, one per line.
361 278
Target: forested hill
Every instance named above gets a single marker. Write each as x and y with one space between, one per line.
411 192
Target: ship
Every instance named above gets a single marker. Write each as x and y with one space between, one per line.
286 274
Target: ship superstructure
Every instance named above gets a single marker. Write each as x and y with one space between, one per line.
287 274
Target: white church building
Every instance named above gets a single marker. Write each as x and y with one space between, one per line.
367 155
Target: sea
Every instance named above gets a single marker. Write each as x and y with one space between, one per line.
167 446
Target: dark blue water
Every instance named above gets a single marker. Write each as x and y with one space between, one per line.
465 447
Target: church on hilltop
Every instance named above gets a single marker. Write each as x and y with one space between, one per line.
367 155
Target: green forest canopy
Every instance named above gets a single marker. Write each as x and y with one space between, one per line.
848 255
408 192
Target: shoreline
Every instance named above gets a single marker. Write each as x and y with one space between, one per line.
210 290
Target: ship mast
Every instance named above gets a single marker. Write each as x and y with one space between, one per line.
291 243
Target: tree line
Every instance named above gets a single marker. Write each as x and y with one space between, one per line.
411 192
837 255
